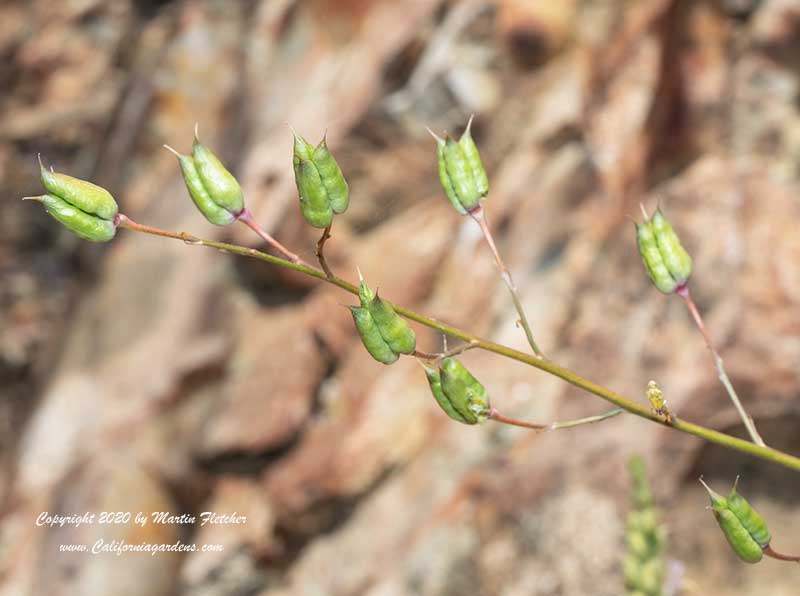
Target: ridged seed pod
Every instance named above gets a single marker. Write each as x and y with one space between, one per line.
750 519
213 189
384 333
435 382
461 172
736 523
320 183
464 393
668 264
85 209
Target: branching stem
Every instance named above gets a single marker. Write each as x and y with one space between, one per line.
684 293
480 218
326 233
710 435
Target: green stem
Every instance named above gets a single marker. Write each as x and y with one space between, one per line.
712 436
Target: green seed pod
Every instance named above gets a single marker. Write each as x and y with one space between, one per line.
666 261
197 191
675 257
86 226
474 159
213 189
461 172
376 320
320 183
220 184
393 328
371 337
435 382
464 392
741 540
742 543
85 196
750 519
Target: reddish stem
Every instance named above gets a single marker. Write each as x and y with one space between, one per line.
247 219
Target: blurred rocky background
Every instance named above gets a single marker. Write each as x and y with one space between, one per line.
147 375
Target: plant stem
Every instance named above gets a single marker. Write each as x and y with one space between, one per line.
447 353
587 420
776 555
321 255
710 435
247 219
498 417
480 218
684 293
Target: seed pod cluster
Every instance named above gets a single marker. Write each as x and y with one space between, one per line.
666 261
213 189
384 333
320 183
461 171
745 530
458 393
85 209
643 565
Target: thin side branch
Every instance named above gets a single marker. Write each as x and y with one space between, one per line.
480 218
723 376
320 252
447 353
762 452
247 219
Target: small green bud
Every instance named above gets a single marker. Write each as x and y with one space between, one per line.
744 529
385 334
213 189
666 261
85 209
461 172
320 183
464 392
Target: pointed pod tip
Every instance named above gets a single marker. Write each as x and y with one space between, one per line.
439 139
644 211
360 277
171 150
39 198
197 132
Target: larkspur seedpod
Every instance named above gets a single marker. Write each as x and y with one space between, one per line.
320 183
384 333
85 209
461 171
742 526
666 261
213 189
460 395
